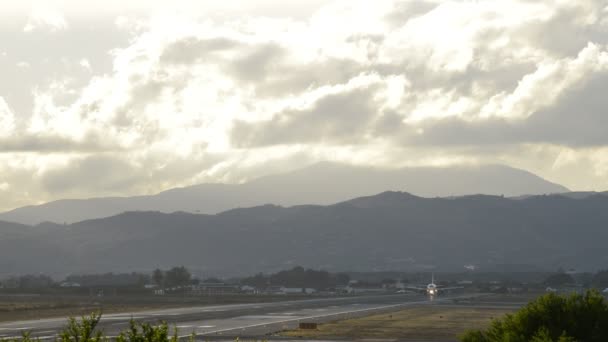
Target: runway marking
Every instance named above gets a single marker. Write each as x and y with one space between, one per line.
206 326
118 318
263 317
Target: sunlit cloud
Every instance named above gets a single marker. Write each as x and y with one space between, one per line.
220 94
45 19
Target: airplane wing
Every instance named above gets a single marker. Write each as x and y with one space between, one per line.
450 288
413 288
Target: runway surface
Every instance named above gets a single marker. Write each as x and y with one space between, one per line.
245 320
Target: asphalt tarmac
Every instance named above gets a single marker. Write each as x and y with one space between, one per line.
237 320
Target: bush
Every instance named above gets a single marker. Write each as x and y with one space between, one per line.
145 332
86 330
551 317
83 331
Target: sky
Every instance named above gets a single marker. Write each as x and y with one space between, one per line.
104 98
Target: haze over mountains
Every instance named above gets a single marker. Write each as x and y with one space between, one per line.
388 231
323 183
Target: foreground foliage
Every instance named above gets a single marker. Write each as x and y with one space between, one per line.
86 330
552 317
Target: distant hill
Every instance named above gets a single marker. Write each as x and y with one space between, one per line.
388 231
322 183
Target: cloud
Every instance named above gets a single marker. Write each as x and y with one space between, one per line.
554 104
190 50
55 144
7 119
338 114
85 64
109 173
393 83
45 19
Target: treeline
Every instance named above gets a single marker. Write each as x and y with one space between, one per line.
109 279
180 276
176 276
561 278
298 277
28 281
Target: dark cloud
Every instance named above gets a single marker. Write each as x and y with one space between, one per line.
111 174
295 79
92 173
92 143
337 118
569 30
251 62
406 10
191 50
577 119
255 63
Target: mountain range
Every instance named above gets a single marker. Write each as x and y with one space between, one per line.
323 183
387 231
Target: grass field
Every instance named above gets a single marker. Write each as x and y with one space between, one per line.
421 323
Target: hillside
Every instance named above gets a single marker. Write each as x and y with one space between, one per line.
388 231
322 184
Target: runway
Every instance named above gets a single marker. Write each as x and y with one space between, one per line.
245 320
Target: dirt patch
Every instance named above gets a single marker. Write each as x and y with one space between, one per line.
428 322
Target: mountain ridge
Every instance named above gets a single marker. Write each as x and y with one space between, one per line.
322 183
387 231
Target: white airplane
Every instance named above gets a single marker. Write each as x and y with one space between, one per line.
432 289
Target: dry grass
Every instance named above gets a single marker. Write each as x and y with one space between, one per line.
416 323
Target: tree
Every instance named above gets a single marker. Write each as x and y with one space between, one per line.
158 276
342 279
551 317
600 279
146 332
34 281
212 280
86 330
559 279
259 280
83 331
177 276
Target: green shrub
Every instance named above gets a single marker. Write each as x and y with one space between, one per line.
83 331
145 332
550 318
86 330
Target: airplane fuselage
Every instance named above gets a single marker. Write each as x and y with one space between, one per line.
431 289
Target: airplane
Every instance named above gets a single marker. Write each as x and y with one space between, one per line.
432 289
